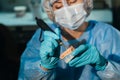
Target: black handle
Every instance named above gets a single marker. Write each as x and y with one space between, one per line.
45 27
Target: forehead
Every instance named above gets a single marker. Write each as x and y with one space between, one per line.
52 1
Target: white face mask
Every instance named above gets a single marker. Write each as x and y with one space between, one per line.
71 17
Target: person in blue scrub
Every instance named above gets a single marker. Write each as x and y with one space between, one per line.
96 58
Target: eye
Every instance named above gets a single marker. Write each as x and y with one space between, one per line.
57 5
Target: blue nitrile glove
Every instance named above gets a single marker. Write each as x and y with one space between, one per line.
49 49
87 54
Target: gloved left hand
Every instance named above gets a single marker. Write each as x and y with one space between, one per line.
87 54
49 49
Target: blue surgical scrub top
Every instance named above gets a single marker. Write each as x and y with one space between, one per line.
103 36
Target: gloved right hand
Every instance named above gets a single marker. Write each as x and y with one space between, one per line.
49 49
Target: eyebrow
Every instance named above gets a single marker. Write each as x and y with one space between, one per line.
57 1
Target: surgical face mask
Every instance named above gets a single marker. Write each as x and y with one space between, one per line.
71 17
